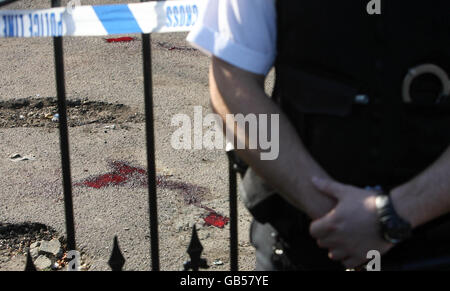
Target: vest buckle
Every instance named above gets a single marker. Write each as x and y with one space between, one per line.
422 70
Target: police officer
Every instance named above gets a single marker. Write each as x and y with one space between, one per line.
364 132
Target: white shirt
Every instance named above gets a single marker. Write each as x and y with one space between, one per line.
240 32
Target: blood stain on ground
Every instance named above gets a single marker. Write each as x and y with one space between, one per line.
123 173
104 181
216 220
120 39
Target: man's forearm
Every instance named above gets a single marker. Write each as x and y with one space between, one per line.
234 91
427 196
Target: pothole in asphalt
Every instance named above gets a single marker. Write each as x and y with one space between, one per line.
17 239
172 47
42 112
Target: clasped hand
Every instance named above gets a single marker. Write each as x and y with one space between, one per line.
350 230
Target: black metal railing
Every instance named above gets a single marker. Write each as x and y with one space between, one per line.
149 129
64 136
117 261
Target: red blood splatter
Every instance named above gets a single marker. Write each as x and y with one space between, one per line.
122 173
125 169
105 180
216 220
120 39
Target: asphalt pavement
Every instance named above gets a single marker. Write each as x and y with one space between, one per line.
99 71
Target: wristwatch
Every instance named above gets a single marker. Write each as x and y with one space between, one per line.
394 229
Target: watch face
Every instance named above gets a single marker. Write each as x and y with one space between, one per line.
395 230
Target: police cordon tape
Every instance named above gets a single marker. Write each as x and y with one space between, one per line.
98 20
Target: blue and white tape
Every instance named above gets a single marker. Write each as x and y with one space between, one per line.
147 17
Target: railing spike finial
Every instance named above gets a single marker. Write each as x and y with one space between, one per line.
195 250
30 267
116 261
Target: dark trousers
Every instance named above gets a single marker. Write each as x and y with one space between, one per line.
280 234
283 243
272 254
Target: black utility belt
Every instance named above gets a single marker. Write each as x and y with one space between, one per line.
426 84
425 87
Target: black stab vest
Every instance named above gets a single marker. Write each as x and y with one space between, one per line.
331 51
